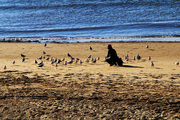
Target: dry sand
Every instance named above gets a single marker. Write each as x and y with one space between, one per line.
135 90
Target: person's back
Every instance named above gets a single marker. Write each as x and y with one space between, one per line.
112 56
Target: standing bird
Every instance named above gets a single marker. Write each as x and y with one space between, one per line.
23 55
138 57
152 63
69 55
98 58
80 61
134 58
89 56
176 63
94 61
149 58
5 67
65 63
90 47
13 62
147 46
40 57
86 60
58 61
45 44
23 59
41 65
35 61
47 58
44 52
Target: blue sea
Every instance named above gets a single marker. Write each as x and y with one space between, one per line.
90 20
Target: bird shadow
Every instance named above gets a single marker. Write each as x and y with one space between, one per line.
130 66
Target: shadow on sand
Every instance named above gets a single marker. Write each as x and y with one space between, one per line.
130 66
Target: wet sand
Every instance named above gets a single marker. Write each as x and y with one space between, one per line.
135 90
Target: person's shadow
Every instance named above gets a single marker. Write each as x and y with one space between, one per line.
130 66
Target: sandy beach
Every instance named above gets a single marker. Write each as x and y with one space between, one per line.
135 90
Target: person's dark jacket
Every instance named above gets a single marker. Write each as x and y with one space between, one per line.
112 53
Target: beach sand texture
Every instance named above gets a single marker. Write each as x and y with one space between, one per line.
135 90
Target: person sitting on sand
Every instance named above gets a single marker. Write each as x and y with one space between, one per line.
111 57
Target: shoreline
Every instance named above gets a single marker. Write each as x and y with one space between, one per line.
162 38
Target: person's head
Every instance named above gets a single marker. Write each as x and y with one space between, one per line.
109 47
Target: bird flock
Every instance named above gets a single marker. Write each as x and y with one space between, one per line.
138 57
57 61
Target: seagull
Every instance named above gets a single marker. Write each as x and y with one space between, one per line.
81 62
90 47
5 67
63 59
76 60
52 62
89 56
147 46
69 55
58 61
44 52
40 57
86 60
35 61
94 61
13 62
152 64
149 58
23 59
138 57
134 58
23 55
176 63
47 58
41 65
71 61
126 57
45 44
55 60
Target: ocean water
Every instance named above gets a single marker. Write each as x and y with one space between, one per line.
90 20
